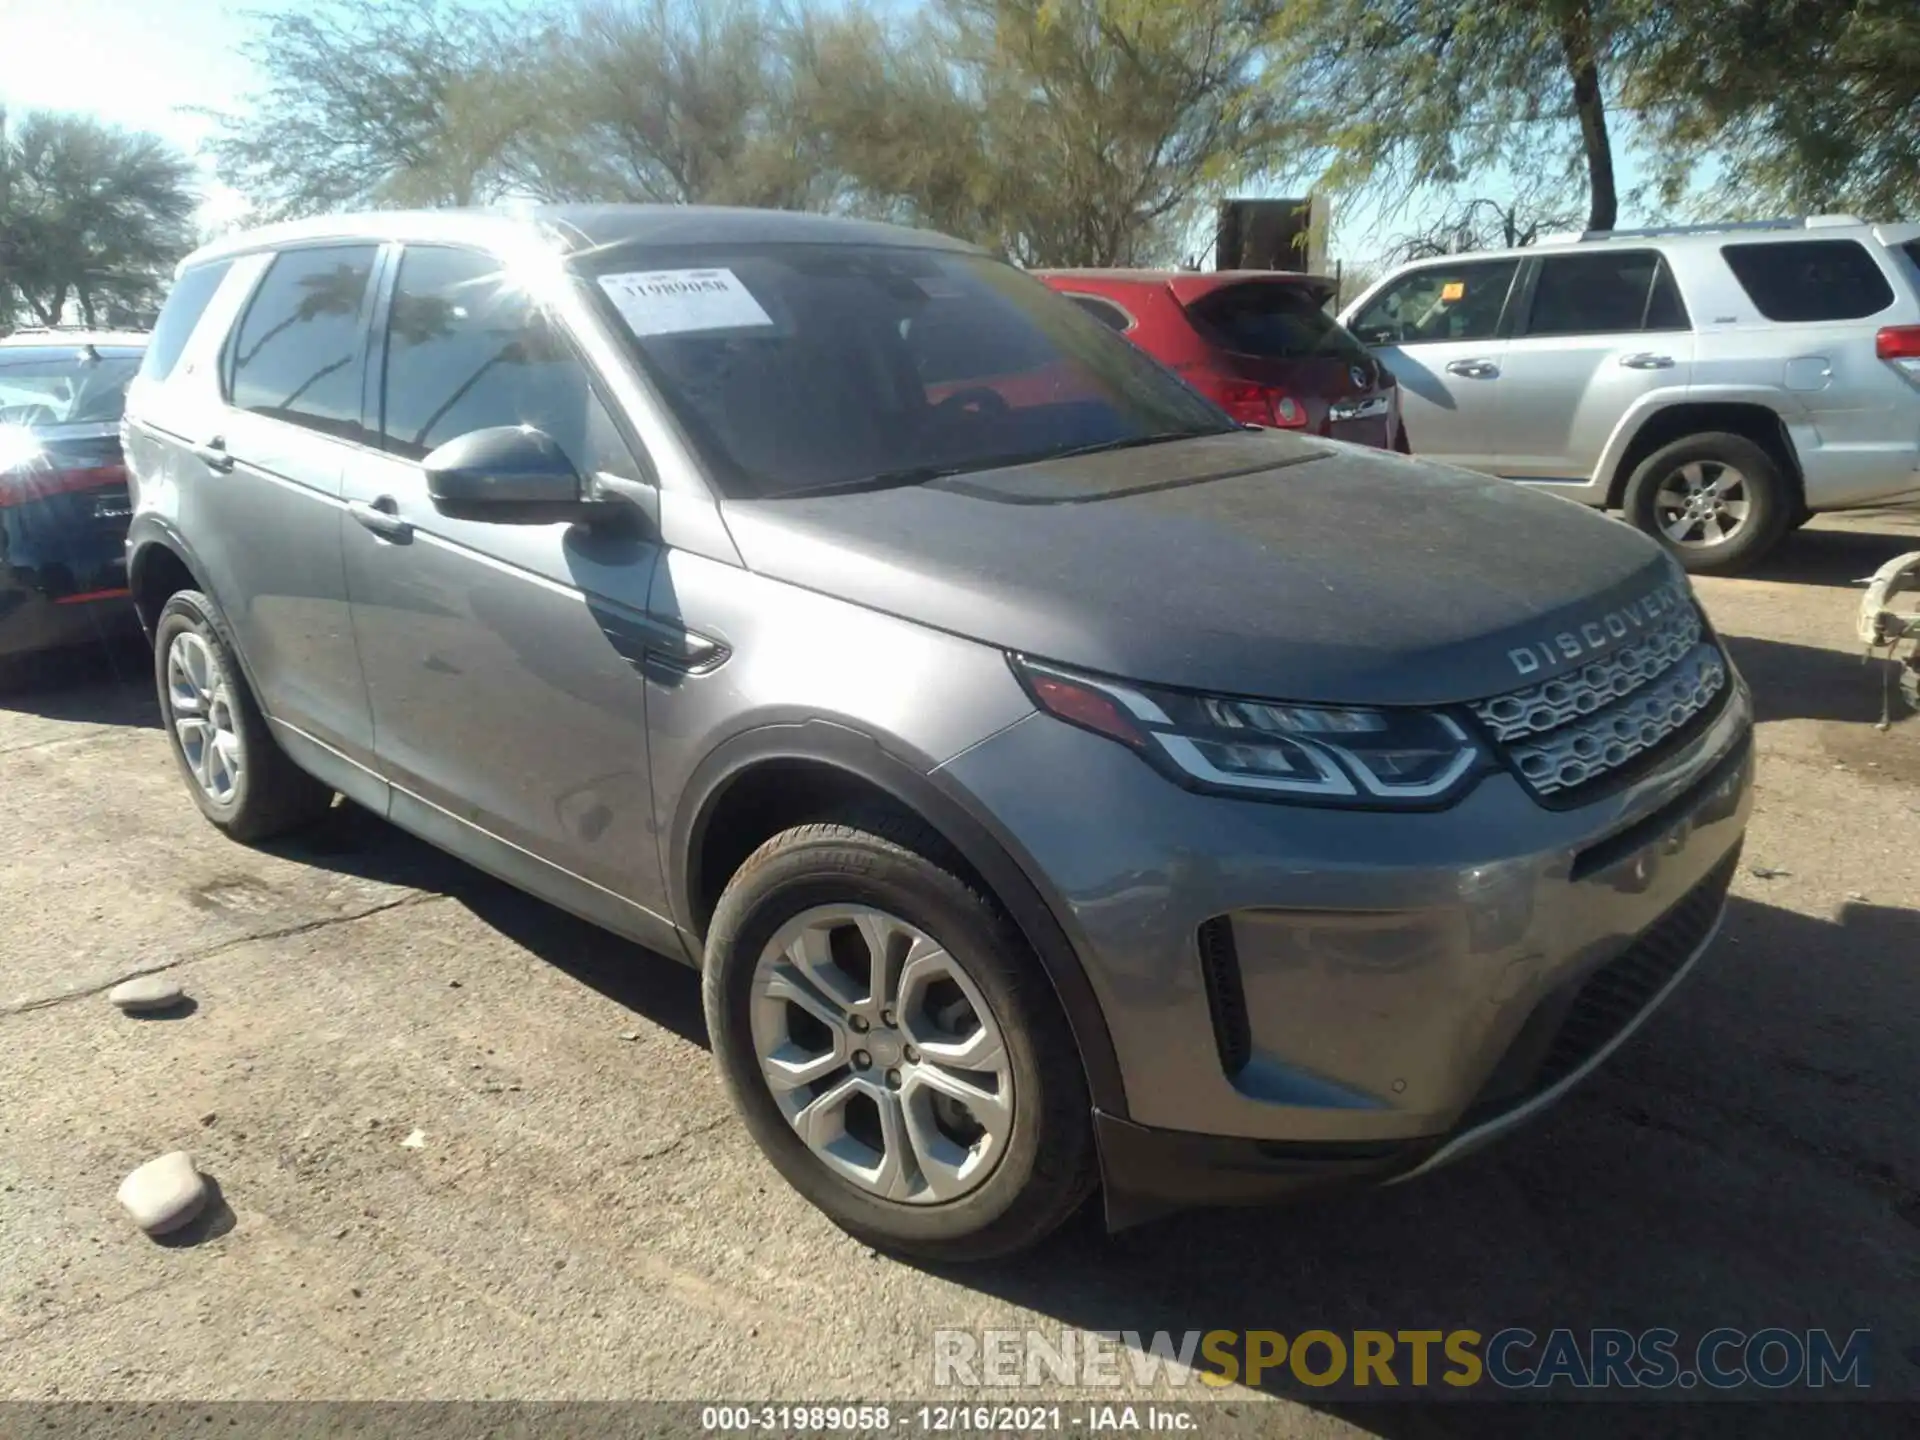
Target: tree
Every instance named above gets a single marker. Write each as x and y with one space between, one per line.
1061 132
1425 94
368 103
679 101
88 213
1808 105
1482 224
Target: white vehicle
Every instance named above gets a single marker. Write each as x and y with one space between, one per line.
1720 384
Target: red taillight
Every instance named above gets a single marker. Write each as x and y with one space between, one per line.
1898 342
1255 404
24 485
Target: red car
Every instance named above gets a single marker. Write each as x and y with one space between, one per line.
1257 342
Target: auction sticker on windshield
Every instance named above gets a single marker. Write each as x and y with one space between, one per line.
673 302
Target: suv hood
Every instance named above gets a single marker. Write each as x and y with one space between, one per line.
1251 563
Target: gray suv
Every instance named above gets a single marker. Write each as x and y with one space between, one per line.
1056 783
1719 384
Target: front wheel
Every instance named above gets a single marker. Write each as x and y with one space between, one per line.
892 1044
1717 501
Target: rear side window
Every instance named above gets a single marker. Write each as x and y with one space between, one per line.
1103 310
1439 303
1275 321
467 351
300 352
1810 279
186 303
1605 293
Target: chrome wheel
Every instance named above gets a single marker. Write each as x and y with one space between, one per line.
1702 504
882 1054
201 710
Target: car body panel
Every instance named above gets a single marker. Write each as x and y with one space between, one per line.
1387 964
1159 564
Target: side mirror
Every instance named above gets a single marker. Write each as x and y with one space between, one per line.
509 475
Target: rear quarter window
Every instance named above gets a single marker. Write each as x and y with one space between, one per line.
1798 280
186 303
1274 322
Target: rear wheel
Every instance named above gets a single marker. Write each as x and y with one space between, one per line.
1717 501
239 777
892 1044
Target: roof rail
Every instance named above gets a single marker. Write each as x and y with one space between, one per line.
1792 222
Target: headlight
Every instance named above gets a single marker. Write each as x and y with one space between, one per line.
1313 753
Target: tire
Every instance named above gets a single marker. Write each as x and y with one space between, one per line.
1037 1170
249 788
1665 481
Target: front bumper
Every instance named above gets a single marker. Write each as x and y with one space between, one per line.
1406 985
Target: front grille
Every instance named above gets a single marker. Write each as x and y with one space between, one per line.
1569 732
1569 1029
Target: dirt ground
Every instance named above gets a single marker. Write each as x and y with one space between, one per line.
584 1219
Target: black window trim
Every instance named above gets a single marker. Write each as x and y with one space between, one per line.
1509 306
1106 302
230 346
373 394
1520 316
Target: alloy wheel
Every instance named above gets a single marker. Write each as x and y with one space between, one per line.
1703 503
201 710
882 1054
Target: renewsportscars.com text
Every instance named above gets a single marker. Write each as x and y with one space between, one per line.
1513 1358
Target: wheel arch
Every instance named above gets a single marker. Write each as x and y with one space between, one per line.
763 781
1750 419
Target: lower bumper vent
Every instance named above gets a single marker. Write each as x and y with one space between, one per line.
1226 998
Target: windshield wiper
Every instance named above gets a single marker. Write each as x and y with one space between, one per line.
1131 442
920 474
882 480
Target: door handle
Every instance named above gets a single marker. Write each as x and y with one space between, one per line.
382 517
1473 369
214 454
1647 360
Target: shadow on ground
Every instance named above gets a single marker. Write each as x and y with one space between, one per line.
106 684
353 841
1841 558
1810 682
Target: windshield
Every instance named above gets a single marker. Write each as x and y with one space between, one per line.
64 384
800 367
1275 322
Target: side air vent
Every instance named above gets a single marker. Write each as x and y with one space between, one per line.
1220 968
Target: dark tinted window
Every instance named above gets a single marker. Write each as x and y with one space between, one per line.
1274 320
799 366
299 353
186 303
1439 303
1604 292
1103 310
467 351
64 384
1810 279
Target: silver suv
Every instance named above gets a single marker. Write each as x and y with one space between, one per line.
1719 384
1054 781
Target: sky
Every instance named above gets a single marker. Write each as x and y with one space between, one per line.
134 63
144 64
